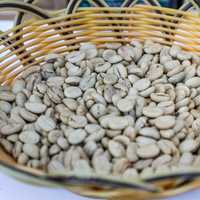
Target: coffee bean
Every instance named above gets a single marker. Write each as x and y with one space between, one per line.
142 84
10 128
131 152
7 96
152 112
18 86
150 132
77 136
5 106
165 122
35 107
148 151
46 123
29 137
26 115
75 56
31 150
72 92
125 105
116 149
193 82
188 145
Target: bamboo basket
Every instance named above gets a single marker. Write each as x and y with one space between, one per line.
26 45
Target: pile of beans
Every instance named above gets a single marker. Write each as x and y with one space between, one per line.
130 110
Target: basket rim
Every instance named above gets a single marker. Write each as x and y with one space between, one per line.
70 178
63 179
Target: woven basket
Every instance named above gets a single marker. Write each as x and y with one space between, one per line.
26 45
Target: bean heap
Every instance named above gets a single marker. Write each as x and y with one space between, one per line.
130 110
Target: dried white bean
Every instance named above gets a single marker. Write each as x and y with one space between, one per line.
7 96
142 84
18 86
152 112
9 129
150 132
165 122
148 151
31 150
26 115
29 137
77 136
188 145
35 107
75 56
193 82
46 123
72 92
125 105
116 149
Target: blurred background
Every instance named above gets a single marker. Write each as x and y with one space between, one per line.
58 4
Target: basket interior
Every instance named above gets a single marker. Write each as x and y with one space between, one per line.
27 44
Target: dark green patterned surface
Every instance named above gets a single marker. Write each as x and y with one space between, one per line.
117 3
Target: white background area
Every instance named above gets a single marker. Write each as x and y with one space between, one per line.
14 190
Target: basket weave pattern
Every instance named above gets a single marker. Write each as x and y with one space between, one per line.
97 25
